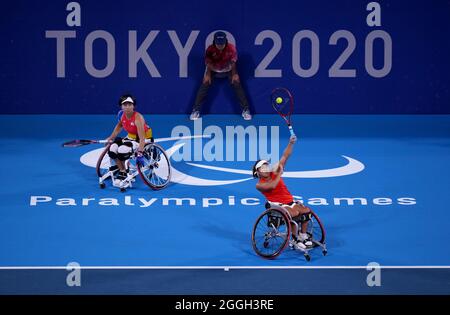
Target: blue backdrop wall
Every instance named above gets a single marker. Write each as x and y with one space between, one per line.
333 54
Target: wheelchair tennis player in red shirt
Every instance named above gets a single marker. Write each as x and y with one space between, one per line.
272 186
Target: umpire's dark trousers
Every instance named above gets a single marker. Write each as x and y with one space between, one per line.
203 91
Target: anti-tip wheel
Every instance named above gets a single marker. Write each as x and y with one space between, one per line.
102 185
324 252
307 257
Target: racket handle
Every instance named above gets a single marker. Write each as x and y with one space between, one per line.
291 130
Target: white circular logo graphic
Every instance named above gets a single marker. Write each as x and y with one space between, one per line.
352 167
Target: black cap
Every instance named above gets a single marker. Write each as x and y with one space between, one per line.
220 38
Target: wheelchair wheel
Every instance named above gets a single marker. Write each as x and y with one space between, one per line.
316 230
155 172
271 233
103 162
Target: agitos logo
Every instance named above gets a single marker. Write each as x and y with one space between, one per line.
352 166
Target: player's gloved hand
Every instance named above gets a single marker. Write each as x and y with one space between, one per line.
140 157
293 139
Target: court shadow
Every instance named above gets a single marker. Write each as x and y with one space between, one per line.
225 232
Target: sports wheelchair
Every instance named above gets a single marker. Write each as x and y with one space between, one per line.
155 171
272 233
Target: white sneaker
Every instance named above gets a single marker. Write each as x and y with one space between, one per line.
195 115
305 239
299 244
246 114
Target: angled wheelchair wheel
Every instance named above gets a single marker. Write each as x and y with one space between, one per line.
103 162
155 171
316 230
271 233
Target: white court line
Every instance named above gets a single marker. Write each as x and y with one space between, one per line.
211 267
181 138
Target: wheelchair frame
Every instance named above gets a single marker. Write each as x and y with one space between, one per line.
290 242
134 170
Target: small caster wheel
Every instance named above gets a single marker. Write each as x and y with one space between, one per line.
307 257
324 252
102 185
122 189
266 244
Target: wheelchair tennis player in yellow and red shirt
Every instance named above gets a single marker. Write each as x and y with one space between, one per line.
134 123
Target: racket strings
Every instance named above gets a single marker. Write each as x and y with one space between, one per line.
283 107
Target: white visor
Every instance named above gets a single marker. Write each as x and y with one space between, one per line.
128 100
261 163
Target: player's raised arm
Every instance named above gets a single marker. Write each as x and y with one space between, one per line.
288 151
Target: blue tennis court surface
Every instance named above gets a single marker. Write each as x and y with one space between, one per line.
405 160
392 211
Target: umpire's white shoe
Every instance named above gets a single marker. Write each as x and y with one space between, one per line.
195 115
246 114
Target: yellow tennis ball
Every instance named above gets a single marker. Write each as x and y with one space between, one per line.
279 100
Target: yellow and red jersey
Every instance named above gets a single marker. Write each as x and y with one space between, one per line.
130 126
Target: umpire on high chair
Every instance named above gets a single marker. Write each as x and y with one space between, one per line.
220 59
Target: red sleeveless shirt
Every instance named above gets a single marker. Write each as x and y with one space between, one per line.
130 125
280 193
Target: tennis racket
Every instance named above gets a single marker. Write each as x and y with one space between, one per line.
79 143
283 103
